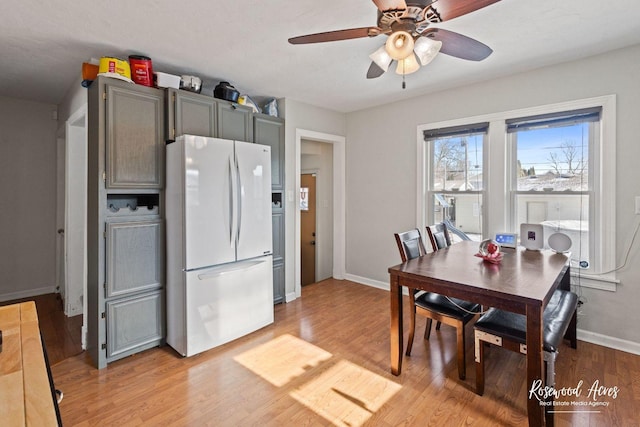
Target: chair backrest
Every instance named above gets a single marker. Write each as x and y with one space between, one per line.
410 244
439 236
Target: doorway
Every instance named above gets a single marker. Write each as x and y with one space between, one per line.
74 257
331 205
307 229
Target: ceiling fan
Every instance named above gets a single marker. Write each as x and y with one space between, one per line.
410 41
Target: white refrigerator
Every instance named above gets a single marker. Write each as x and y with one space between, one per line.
218 224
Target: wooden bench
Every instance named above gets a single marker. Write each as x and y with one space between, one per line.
28 397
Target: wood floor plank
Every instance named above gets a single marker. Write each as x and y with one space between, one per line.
335 340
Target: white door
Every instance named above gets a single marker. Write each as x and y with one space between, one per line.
209 203
254 205
75 236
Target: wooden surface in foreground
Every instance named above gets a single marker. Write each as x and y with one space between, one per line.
325 361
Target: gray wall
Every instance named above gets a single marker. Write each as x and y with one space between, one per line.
27 198
381 169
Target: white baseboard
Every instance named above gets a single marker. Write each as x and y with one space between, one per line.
610 342
27 293
366 281
289 297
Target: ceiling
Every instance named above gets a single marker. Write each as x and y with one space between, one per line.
245 43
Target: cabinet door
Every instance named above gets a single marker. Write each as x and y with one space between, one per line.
191 114
134 257
135 137
269 131
278 282
234 122
278 255
134 322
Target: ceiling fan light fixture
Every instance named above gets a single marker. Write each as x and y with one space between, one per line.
399 45
426 49
381 58
407 65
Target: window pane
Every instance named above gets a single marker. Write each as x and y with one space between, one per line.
461 212
457 163
553 159
568 214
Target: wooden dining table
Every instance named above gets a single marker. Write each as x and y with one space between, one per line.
523 282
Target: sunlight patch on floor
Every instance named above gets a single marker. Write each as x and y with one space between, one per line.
346 394
282 359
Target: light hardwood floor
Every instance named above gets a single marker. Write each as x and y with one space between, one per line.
325 361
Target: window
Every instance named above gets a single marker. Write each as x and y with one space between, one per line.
456 181
551 178
552 165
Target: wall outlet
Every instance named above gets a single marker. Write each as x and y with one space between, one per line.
637 205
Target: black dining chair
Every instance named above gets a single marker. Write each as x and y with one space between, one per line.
450 311
508 330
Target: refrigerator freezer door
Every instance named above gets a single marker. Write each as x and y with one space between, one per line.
254 201
209 202
227 302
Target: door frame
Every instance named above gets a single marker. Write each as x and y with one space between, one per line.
76 135
339 208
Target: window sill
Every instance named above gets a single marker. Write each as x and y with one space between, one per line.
594 281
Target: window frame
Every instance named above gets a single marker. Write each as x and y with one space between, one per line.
497 197
470 129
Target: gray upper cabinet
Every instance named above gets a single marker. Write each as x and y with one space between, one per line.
135 136
234 121
191 114
269 131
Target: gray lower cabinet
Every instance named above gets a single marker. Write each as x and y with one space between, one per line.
135 257
277 220
134 323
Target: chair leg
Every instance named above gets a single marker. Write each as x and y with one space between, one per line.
462 369
412 329
572 334
479 344
427 329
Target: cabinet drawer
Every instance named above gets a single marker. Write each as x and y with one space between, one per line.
135 257
134 322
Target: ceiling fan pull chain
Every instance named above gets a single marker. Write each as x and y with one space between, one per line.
404 85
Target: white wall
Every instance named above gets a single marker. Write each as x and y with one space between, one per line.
381 170
317 157
301 116
27 198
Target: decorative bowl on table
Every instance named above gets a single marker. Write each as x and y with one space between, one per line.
489 251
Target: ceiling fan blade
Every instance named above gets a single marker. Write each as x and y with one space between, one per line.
374 71
385 5
457 45
449 9
330 36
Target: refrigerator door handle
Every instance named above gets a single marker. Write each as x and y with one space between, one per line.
237 266
233 198
239 195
